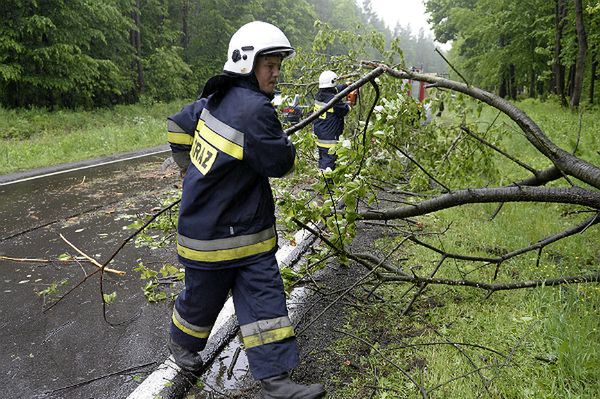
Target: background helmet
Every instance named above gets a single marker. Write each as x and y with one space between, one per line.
254 39
327 79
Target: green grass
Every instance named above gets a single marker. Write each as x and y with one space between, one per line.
548 338
36 138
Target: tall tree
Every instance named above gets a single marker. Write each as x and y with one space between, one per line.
57 53
136 42
581 54
558 68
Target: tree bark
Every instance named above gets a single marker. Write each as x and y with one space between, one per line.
574 196
558 69
136 42
502 89
571 81
185 34
593 80
581 53
512 79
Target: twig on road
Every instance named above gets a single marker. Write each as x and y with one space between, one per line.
92 260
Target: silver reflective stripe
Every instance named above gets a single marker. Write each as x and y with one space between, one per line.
327 141
264 325
226 243
189 325
320 104
222 129
174 127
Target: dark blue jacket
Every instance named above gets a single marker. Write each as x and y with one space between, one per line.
227 213
330 125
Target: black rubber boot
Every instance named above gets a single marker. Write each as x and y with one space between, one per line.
184 358
282 387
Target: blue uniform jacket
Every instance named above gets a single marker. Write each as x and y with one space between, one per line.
330 125
235 142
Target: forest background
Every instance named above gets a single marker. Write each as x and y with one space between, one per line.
81 54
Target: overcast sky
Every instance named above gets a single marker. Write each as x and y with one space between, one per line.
407 13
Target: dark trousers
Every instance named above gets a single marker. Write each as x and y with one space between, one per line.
326 160
260 307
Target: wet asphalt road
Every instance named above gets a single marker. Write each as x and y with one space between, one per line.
70 351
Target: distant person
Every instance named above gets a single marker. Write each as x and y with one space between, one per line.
229 143
330 125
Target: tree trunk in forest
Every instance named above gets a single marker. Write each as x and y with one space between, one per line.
512 78
593 80
558 69
502 89
532 80
532 75
581 53
571 80
136 42
185 35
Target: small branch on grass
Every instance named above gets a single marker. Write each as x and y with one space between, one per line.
498 150
421 167
410 378
340 251
580 228
454 343
484 381
589 278
465 375
423 286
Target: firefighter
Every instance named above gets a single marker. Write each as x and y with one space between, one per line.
330 125
229 143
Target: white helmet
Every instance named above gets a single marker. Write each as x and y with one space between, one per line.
327 79
253 39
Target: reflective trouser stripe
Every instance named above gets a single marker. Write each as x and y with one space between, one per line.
266 331
176 135
188 328
227 248
326 143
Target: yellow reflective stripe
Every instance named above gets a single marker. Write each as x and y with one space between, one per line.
227 254
220 143
179 138
189 331
326 145
318 106
267 337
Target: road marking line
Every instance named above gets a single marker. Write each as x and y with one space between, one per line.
82 168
